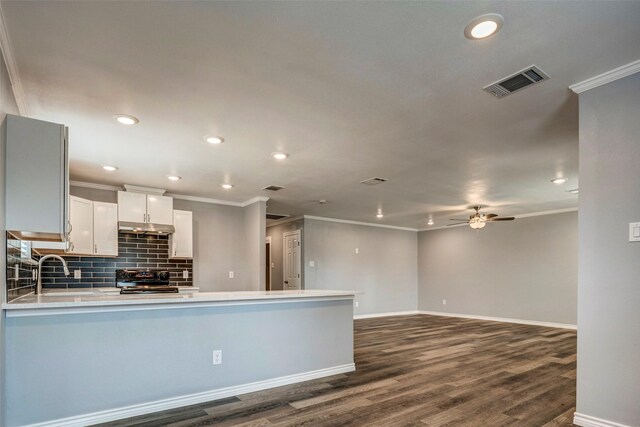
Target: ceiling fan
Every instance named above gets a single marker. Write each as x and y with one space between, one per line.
478 220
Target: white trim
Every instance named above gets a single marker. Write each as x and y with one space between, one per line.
284 221
606 77
527 215
145 190
174 195
589 421
191 399
368 224
254 200
204 200
501 319
96 186
12 67
391 313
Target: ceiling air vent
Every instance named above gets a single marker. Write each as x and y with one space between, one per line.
374 181
276 216
273 188
515 82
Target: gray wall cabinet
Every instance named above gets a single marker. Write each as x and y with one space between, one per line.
37 178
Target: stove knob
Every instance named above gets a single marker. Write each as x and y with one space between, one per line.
163 275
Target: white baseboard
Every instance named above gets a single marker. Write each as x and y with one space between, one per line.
390 313
190 399
589 421
501 319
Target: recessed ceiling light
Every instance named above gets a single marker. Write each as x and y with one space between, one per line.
227 186
574 191
559 180
430 222
483 26
174 178
126 119
279 156
214 139
110 168
379 215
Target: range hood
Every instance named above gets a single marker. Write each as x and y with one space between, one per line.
145 228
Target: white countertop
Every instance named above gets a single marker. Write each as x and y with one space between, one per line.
35 305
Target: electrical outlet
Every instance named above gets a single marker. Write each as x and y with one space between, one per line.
217 357
357 304
444 302
77 274
185 274
231 275
357 250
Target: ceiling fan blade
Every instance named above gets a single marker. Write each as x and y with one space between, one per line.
503 218
459 223
459 219
489 216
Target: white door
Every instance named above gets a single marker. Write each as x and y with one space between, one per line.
181 242
132 207
160 210
105 229
81 219
292 260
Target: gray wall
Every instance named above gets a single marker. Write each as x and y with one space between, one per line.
525 269
7 106
277 255
384 269
221 238
609 272
65 365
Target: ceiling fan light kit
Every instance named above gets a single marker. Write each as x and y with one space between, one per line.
478 220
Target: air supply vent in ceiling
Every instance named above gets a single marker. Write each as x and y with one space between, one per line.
276 216
374 181
515 82
273 188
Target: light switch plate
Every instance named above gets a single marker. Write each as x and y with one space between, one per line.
77 274
185 274
634 231
231 275
312 263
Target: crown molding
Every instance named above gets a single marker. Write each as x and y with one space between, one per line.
367 224
174 195
528 215
607 77
12 67
96 186
254 200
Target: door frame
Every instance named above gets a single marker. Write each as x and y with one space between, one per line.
267 241
284 254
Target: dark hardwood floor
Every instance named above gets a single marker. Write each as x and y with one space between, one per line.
417 371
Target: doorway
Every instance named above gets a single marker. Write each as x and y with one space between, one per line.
292 264
268 264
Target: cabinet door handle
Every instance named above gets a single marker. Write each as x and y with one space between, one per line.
144 217
95 248
149 218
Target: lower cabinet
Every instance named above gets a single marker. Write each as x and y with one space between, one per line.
181 241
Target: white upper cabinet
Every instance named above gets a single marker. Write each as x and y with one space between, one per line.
181 242
105 229
139 207
132 207
81 219
159 210
36 178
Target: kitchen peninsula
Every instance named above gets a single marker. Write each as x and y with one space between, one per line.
85 359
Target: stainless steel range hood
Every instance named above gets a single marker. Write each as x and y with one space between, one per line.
145 228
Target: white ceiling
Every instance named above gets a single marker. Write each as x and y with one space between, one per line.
351 90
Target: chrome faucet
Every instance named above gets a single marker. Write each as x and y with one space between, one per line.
44 258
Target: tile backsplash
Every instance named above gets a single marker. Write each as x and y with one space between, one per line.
19 270
134 251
